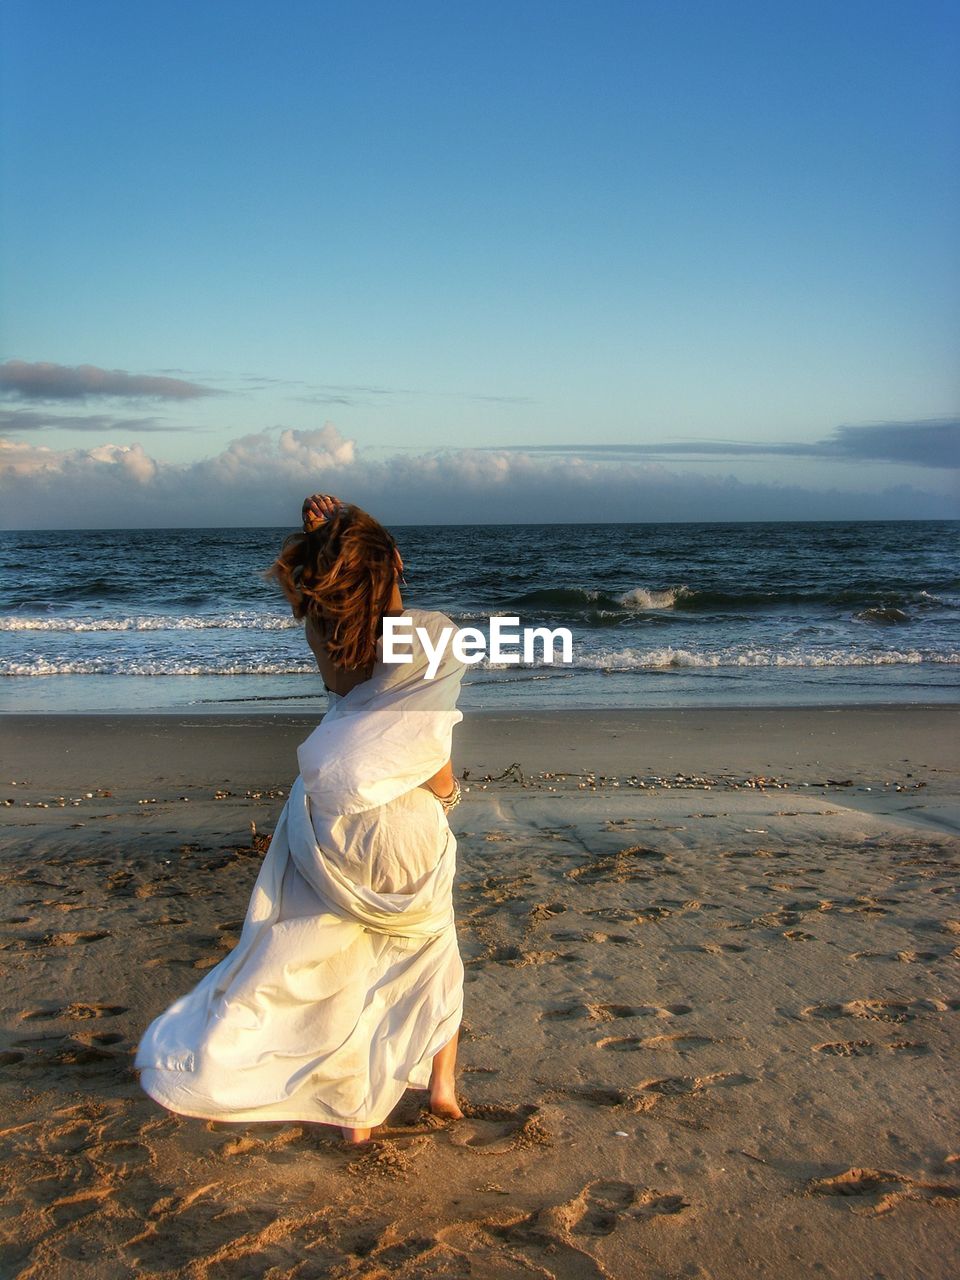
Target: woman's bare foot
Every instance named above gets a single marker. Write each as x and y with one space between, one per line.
355 1136
443 1090
444 1104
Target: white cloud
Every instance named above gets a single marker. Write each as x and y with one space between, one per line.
261 479
132 460
19 459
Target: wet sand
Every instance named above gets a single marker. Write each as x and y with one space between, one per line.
711 1005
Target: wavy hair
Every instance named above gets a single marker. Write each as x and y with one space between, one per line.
340 576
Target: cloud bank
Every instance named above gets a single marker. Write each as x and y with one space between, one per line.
45 381
927 443
261 479
36 420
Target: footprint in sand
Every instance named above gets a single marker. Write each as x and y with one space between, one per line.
863 1048
678 1040
653 913
915 1047
283 1147
598 1208
620 1044
620 867
672 1086
904 957
616 915
607 1012
545 910
502 889
563 1013
599 1096
875 1010
545 1242
79 1204
880 1189
588 935
651 1204
656 1089
208 1218
938 1005
846 1048
78 1054
71 939
122 1157
79 1051
775 919
494 1129
78 1011
103 1039
627 1044
518 958
602 1205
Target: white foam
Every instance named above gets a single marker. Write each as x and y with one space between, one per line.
668 657
624 660
643 598
241 621
132 667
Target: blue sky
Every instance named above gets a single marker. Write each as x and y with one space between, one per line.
485 239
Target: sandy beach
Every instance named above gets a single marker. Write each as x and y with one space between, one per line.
711 1005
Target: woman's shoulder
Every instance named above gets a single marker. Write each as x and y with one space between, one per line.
432 620
432 636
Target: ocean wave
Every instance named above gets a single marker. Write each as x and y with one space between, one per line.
240 621
610 662
881 604
883 617
563 598
643 598
590 607
104 666
579 600
665 658
845 598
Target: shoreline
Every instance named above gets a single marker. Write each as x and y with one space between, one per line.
791 738
538 689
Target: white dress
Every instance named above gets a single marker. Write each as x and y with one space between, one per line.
347 978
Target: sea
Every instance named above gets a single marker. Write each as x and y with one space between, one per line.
661 615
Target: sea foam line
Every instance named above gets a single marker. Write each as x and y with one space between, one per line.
668 657
622 661
241 621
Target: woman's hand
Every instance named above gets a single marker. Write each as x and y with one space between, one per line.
318 509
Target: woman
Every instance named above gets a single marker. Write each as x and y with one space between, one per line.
346 986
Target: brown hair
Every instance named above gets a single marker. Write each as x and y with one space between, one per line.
341 577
